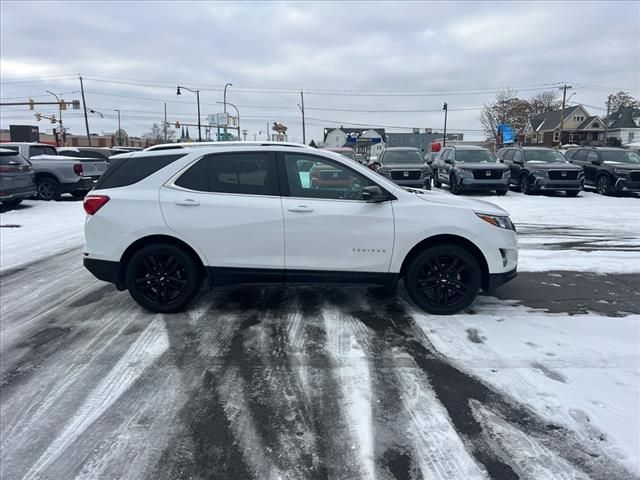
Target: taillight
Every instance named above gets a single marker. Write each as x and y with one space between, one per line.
77 169
93 203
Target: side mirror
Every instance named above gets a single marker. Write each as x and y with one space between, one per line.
374 194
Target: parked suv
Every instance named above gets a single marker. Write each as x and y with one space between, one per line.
537 169
16 178
470 168
160 222
609 170
404 166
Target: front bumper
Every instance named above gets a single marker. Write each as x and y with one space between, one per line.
413 182
543 183
497 279
473 184
626 185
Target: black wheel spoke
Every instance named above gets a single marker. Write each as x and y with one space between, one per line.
171 266
177 284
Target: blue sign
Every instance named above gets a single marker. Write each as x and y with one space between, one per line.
508 133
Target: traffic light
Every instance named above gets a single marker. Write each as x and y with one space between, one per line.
38 116
63 105
177 124
53 119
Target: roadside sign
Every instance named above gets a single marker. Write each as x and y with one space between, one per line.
507 133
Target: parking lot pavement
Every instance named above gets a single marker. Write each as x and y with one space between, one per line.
258 382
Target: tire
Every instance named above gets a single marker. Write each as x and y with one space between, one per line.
80 194
525 185
48 189
147 277
603 184
436 180
572 193
431 275
12 203
427 184
453 185
502 192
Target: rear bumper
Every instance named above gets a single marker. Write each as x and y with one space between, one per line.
83 185
16 193
104 270
497 279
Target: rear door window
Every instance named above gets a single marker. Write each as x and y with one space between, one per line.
508 155
238 173
580 155
41 150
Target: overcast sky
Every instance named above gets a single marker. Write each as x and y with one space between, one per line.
371 63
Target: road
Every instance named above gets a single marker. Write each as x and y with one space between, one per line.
271 382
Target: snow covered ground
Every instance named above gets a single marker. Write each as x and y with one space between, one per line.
293 383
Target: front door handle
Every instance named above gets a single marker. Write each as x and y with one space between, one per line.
188 202
301 208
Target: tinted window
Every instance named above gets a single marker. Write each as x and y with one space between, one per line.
7 158
570 153
243 173
580 155
15 149
445 155
622 156
83 154
41 150
399 157
592 156
314 177
517 155
544 156
127 171
508 155
475 156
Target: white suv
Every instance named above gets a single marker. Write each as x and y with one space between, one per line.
160 222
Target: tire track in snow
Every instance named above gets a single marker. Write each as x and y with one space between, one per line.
149 346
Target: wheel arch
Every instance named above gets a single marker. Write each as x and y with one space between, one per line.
155 239
449 239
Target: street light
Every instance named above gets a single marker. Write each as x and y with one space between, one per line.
197 92
119 131
225 105
237 115
444 140
97 113
60 112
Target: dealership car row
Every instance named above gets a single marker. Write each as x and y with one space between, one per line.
40 170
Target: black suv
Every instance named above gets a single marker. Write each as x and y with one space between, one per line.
470 168
609 170
537 169
404 166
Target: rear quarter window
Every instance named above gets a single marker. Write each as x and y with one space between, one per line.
123 172
11 158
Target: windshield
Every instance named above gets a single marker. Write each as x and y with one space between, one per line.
401 157
475 156
544 156
350 154
620 156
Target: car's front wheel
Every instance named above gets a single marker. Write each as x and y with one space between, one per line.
443 279
162 278
603 185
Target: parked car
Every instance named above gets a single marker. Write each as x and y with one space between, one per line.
403 166
162 222
346 151
538 169
470 168
57 174
609 170
16 178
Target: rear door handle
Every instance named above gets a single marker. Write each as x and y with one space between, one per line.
301 208
188 202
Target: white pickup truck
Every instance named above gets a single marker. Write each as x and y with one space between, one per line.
57 174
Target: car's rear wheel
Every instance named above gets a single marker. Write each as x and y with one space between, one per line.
603 185
443 279
436 180
12 203
162 278
572 193
48 188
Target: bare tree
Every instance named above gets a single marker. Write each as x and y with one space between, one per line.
622 99
548 101
157 133
507 108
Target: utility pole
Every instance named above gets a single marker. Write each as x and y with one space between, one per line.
224 95
165 122
564 89
444 139
119 131
304 136
244 134
84 105
606 122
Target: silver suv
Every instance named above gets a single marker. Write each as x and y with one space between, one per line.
404 166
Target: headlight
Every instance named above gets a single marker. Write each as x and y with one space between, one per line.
498 221
506 174
622 173
465 171
539 173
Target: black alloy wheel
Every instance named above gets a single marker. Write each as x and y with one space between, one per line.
162 278
526 185
603 185
443 279
48 189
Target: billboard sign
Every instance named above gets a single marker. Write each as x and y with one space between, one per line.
507 133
